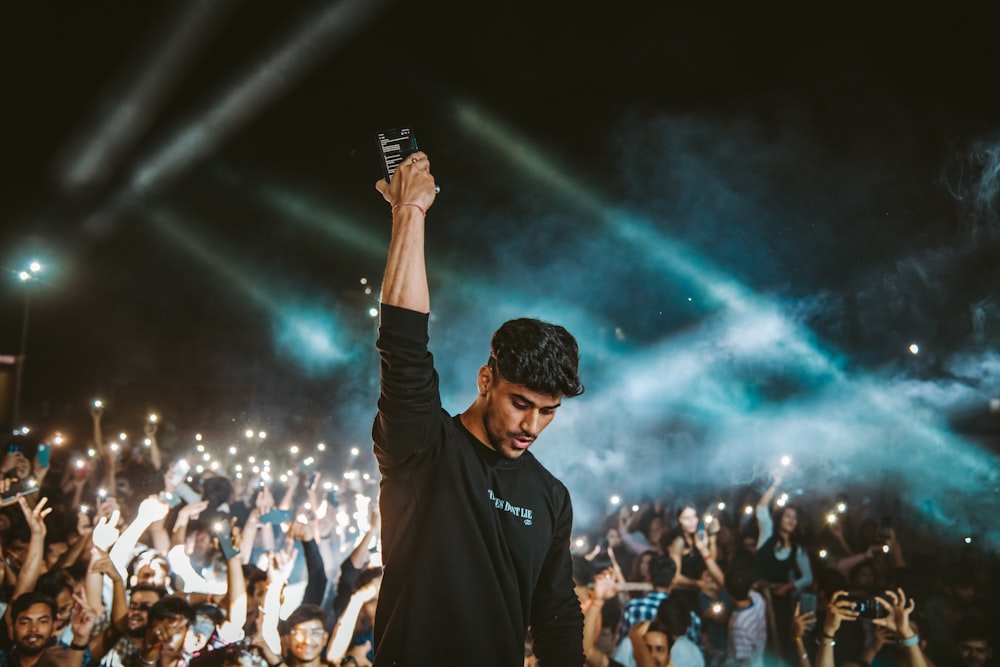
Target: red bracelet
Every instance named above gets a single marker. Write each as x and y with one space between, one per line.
406 203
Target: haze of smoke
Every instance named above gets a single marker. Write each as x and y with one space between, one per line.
719 402
972 177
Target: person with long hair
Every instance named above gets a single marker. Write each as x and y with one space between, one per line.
782 564
693 550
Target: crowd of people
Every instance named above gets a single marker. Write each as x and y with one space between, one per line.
211 568
214 565
810 583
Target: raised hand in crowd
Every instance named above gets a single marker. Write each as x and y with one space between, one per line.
184 516
101 566
802 623
342 633
105 532
840 608
605 588
33 563
149 430
17 463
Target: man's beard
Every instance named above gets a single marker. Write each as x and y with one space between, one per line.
31 650
136 633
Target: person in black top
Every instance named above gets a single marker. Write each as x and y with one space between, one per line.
475 530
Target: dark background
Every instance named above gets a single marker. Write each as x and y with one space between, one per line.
746 215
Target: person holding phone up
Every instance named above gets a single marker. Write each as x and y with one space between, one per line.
476 532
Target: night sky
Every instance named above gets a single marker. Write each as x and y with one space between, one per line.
746 215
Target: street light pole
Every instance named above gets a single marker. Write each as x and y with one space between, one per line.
26 278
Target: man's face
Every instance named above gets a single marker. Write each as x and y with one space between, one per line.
138 611
656 643
33 629
307 640
974 652
200 546
64 609
515 415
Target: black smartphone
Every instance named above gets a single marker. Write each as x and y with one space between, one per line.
868 607
807 602
23 487
394 146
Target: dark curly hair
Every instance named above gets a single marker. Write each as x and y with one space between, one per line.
538 355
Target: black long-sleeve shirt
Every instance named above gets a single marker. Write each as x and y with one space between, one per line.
475 546
315 572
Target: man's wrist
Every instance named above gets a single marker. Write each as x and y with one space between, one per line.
79 644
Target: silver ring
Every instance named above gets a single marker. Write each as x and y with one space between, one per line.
437 189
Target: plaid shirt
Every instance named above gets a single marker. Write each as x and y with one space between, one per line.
123 654
641 609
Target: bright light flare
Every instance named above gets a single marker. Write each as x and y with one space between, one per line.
914 349
615 500
786 460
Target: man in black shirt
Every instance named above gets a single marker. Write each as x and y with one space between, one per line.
475 530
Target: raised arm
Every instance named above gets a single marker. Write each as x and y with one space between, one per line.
155 456
151 510
340 639
411 194
32 568
768 496
604 590
96 412
101 564
898 622
839 609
